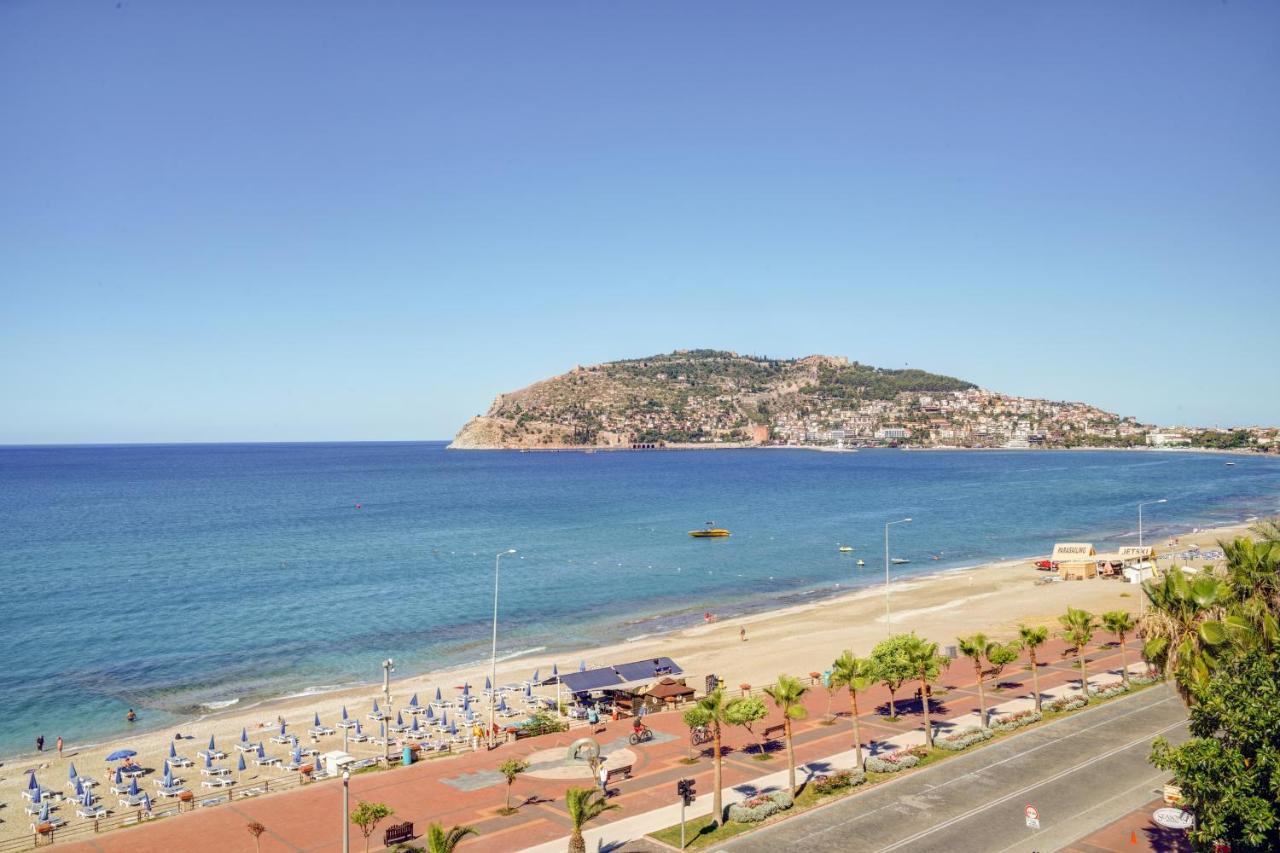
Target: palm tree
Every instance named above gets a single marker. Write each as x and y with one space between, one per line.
1253 577
927 664
1032 638
974 648
584 805
1187 626
788 696
712 710
1120 623
1077 629
855 674
440 840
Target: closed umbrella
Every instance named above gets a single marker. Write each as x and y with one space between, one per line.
146 802
439 697
431 713
535 679
555 671
413 701
488 685
262 753
71 772
359 728
133 787
240 765
382 730
44 813
87 799
453 728
375 707
173 753
528 689
399 719
37 795
297 756
208 759
119 780
211 745
282 729
317 719
79 787
167 780
414 726
344 713
244 735
502 703
31 781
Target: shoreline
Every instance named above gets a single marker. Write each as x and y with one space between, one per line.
822 448
613 650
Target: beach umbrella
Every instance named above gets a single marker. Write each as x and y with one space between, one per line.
87 799
208 759
466 689
167 779
528 689
413 701
168 770
317 719
282 728
502 703
133 786
262 753
173 753
297 755
71 772
344 713
146 802
582 666
31 781
119 780
488 685
126 753
399 719
382 730
211 745
375 707
414 727
37 794
453 728
439 698
431 713
79 787
359 728
555 671
244 735
44 813
444 718
535 678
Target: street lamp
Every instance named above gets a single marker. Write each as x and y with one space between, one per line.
388 667
1142 603
493 675
346 804
887 625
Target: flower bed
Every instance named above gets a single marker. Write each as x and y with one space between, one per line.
963 739
1108 692
892 763
1064 704
758 808
1146 678
1017 721
838 781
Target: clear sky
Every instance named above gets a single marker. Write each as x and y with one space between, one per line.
296 221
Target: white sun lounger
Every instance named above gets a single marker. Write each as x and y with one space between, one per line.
220 782
215 754
320 731
90 811
179 761
172 791
347 724
242 746
215 771
280 739
130 802
53 821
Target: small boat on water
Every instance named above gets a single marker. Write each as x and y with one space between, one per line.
709 532
862 562
898 561
1231 463
845 549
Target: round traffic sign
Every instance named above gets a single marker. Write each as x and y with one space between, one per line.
1032 814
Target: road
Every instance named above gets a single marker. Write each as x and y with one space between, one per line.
1080 773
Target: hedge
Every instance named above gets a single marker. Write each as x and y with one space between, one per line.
760 807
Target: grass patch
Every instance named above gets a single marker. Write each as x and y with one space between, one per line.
701 832
508 811
761 756
690 760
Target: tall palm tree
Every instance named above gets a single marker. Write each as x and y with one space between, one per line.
1077 629
788 696
1120 623
1253 577
584 805
974 648
1188 626
1031 639
712 710
856 675
927 664
441 840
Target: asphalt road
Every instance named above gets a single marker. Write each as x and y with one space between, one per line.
1080 772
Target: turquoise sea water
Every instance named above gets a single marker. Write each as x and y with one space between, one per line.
173 578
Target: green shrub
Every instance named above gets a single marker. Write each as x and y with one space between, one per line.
1108 692
1017 721
892 763
963 739
1065 704
760 807
838 781
543 722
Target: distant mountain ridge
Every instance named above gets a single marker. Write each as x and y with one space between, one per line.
712 397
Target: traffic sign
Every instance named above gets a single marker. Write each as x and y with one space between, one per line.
1033 817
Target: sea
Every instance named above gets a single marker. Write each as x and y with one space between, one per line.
181 579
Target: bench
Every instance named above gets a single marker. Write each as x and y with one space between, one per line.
773 731
618 774
398 834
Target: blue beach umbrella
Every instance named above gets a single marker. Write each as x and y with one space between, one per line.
71 772
119 780
244 735
439 697
87 799
535 678
297 755
453 728
79 787
173 753
133 787
375 707
167 779
502 703
344 713
582 666
146 802
431 713
555 671
466 689
444 718
208 759
262 753
399 719
211 745
359 728
414 727
317 719
121 754
44 813
382 730
37 794
528 689
488 685
240 765
31 781
168 770
413 702
282 729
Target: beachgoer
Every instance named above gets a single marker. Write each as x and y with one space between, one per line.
604 780
592 717
742 633
130 717
39 743
59 744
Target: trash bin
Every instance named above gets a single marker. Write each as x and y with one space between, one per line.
407 757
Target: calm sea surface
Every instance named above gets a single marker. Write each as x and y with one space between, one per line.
174 578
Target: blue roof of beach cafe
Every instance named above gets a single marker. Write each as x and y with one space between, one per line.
618 676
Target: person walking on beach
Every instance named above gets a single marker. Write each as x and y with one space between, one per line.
39 743
742 633
59 745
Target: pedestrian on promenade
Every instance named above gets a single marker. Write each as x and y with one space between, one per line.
59 743
604 779
39 743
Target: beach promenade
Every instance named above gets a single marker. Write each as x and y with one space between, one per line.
467 790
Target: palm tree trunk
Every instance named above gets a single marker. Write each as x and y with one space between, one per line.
982 698
1035 678
508 806
577 844
1124 664
857 733
924 704
791 757
1084 676
717 801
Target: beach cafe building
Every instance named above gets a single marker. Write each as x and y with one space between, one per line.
1076 560
620 681
1079 561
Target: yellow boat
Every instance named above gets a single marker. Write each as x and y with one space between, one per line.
709 532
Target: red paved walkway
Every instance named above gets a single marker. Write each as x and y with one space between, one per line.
310 818
1134 832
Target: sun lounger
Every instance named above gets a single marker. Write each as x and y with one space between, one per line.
87 782
218 782
32 808
131 801
281 739
358 738
179 761
266 761
132 770
119 789
320 731
212 754
215 771
252 792
45 793
172 791
159 783
212 801
241 746
362 763
347 724
90 811
53 821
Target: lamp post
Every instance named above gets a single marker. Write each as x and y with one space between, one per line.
1142 604
887 625
493 661
388 667
346 803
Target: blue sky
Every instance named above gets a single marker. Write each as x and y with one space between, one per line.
295 221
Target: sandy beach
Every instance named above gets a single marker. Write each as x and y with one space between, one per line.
993 598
